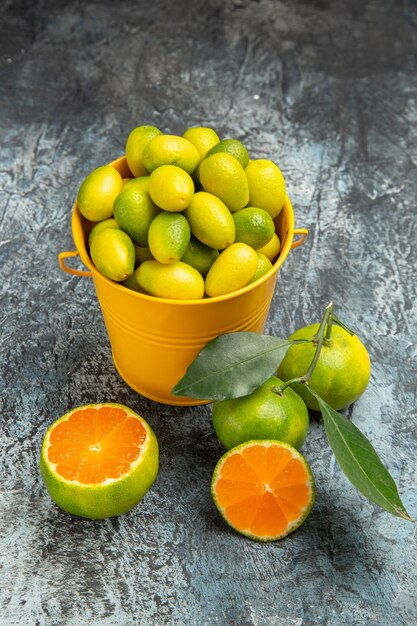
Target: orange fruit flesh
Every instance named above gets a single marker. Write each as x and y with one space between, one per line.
95 444
263 490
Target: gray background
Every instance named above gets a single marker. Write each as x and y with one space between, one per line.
328 90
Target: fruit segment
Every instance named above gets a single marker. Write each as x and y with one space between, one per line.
232 492
94 445
270 519
268 462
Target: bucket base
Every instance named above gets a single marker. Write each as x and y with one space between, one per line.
174 402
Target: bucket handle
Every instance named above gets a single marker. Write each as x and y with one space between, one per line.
299 242
69 270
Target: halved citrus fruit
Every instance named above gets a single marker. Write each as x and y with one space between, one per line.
99 460
263 489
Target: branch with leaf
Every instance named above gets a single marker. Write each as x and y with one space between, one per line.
236 364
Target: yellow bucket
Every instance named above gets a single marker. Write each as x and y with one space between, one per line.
154 340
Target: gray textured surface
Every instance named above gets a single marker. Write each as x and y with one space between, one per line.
328 89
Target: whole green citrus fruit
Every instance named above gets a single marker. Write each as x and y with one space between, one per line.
266 186
178 281
263 414
232 270
136 143
97 193
134 212
223 176
202 138
342 371
264 265
113 254
169 236
254 227
233 147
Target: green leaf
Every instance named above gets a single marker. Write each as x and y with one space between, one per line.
231 366
359 461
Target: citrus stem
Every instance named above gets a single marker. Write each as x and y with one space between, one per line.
319 337
342 325
329 328
323 334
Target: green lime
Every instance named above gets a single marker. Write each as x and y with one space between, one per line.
232 270
210 220
109 223
113 254
266 186
264 265
272 248
142 182
254 227
98 192
169 236
202 138
135 145
199 256
142 254
223 176
178 281
233 147
262 414
131 283
134 212
171 188
171 150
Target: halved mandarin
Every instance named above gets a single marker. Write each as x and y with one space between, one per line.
263 489
99 460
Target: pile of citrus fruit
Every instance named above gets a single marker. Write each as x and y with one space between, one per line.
195 220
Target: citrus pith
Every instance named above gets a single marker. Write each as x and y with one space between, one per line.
99 460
